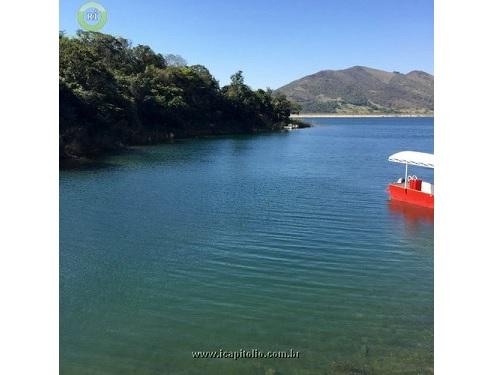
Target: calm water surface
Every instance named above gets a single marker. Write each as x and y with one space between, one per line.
271 242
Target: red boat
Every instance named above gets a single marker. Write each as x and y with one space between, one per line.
411 189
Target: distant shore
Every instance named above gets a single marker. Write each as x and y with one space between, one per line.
342 115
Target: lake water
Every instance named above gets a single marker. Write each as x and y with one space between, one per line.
270 242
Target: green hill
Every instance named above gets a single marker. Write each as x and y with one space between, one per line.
362 90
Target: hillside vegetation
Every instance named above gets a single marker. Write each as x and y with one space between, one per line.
362 90
113 94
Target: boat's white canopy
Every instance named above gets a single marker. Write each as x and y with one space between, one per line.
421 159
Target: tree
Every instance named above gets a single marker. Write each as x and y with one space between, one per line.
295 108
282 108
143 56
237 79
174 60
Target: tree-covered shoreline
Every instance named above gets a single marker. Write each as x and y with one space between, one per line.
113 95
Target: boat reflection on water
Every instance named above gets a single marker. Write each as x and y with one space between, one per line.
414 216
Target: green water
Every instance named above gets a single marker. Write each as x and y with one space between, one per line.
266 242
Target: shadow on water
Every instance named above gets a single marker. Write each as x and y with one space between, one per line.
412 214
155 153
415 218
84 165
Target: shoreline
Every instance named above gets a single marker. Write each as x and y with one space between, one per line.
341 115
77 162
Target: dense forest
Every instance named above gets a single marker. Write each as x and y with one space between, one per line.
113 94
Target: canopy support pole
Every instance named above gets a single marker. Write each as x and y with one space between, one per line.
406 173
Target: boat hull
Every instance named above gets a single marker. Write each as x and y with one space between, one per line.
411 196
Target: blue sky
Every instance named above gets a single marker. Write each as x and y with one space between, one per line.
275 41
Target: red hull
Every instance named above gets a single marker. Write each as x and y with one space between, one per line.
416 197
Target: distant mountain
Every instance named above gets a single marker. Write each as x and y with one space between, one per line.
360 90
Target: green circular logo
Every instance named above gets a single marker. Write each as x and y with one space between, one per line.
92 16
